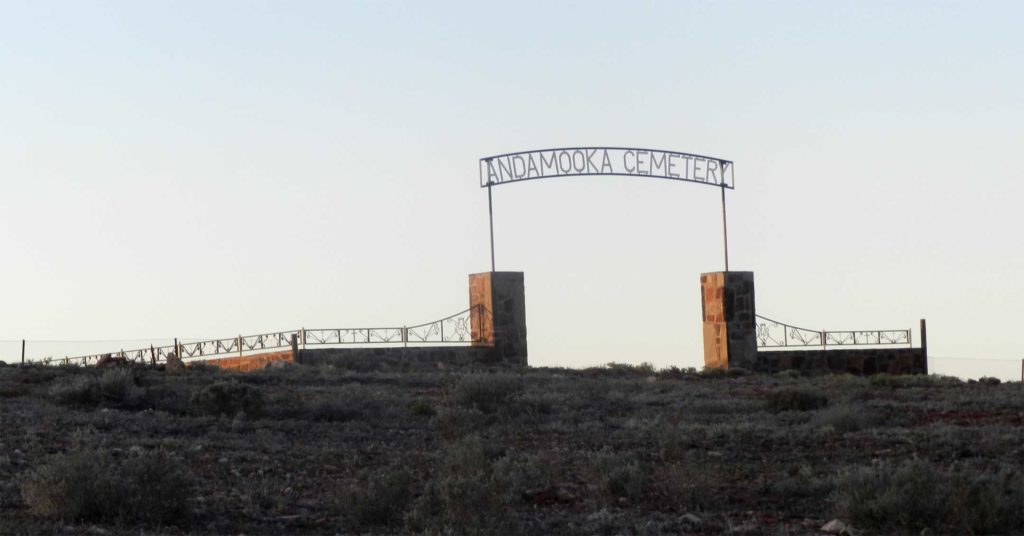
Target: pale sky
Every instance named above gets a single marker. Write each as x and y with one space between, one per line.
204 169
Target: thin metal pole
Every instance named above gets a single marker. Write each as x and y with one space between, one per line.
490 216
22 351
725 230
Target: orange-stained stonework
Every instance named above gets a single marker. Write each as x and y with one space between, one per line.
480 295
727 305
249 362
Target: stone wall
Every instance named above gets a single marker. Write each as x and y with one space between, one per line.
727 305
249 362
860 361
503 296
414 358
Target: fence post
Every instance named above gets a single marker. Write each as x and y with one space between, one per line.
924 345
239 346
295 348
303 338
22 351
405 336
152 355
177 348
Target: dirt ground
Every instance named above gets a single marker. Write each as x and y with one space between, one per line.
375 448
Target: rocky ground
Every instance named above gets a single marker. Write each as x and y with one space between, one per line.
371 449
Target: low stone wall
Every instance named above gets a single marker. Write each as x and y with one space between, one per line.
249 362
860 361
402 358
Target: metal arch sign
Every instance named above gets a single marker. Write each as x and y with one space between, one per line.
622 161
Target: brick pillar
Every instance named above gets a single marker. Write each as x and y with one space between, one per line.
497 302
727 301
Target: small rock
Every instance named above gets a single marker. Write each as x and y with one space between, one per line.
222 460
835 527
692 520
135 449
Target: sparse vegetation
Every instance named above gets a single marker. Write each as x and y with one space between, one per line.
95 486
918 495
608 450
228 398
796 399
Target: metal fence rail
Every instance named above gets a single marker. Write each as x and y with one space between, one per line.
774 334
454 329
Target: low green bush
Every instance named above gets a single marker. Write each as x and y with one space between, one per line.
617 474
487 392
796 399
844 418
916 495
94 486
421 408
378 499
78 390
228 398
715 372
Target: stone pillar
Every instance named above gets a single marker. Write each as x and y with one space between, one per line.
497 302
727 305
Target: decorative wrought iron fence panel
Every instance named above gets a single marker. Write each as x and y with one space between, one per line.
774 334
454 329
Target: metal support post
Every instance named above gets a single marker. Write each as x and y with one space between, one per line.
725 230
490 217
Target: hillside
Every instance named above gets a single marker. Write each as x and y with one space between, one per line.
329 449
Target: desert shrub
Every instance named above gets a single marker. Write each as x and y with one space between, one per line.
228 398
913 380
843 418
800 482
487 392
788 374
715 372
693 483
915 495
421 408
796 399
78 390
92 485
117 385
643 369
989 380
378 499
617 474
325 410
462 496
454 423
517 474
13 390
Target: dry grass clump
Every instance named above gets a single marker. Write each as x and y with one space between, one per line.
377 499
487 393
796 399
844 418
917 495
228 398
617 474
93 485
116 386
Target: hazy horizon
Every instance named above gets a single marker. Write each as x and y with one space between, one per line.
200 170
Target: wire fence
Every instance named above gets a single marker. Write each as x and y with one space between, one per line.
456 329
